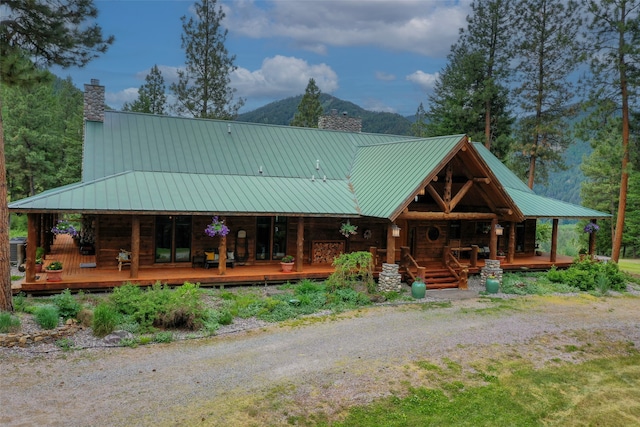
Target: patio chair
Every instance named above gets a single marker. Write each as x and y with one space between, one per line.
124 258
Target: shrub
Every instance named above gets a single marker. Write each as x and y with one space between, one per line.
67 305
8 322
351 269
20 302
585 274
47 316
163 337
105 319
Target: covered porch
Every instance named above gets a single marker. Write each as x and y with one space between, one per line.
79 273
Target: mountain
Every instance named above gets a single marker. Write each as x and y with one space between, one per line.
282 112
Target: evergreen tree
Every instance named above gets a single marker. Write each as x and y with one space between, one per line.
34 34
489 31
203 86
419 127
310 108
151 95
547 53
470 95
614 27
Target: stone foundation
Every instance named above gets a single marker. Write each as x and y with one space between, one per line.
390 280
491 268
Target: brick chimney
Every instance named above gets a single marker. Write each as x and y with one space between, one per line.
94 101
343 122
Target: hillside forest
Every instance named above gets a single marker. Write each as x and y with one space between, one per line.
536 81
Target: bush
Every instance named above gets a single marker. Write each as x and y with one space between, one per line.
20 302
67 305
47 316
8 322
105 319
588 275
352 269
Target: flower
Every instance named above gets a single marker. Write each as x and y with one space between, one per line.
347 229
64 227
591 227
216 228
287 259
55 265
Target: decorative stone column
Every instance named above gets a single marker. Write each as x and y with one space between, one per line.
491 268
390 280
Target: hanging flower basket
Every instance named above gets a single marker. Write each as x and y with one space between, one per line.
64 227
216 228
592 227
347 229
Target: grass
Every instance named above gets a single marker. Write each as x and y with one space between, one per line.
631 266
597 392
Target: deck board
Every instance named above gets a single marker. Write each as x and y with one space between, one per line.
76 278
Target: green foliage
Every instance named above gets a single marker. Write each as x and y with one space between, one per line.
67 305
105 319
202 89
309 109
587 275
20 302
350 270
18 227
47 316
151 95
65 344
163 337
8 322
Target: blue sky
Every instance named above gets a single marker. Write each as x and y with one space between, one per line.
383 55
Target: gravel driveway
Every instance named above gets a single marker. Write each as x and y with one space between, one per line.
263 376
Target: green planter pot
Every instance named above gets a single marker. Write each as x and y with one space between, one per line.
418 290
493 286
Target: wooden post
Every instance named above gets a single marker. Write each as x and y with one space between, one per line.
374 255
554 240
421 274
493 239
474 256
300 245
592 242
222 256
463 283
135 246
511 252
32 244
391 246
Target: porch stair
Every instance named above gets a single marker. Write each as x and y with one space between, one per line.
440 279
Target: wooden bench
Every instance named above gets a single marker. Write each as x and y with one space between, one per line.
124 258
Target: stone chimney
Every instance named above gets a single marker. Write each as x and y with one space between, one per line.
94 101
343 122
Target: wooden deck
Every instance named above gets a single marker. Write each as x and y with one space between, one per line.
76 277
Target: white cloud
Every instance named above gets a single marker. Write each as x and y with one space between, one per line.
117 99
377 105
282 76
385 77
426 28
423 80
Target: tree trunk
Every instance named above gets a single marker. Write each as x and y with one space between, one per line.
6 302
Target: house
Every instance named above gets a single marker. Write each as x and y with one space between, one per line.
151 185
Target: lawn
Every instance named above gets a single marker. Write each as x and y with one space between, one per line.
631 266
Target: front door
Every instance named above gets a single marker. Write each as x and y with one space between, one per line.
271 238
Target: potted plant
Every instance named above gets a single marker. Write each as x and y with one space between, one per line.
287 263
54 272
582 253
39 263
501 255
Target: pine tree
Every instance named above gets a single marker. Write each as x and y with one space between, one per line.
547 53
615 52
419 127
203 86
470 95
151 95
35 34
310 108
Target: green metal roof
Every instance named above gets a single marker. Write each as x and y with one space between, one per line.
386 175
531 204
199 193
157 164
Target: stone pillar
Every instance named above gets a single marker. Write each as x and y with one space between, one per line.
491 268
94 101
389 280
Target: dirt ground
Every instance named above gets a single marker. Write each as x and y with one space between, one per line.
267 375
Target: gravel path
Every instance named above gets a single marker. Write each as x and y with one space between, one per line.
319 365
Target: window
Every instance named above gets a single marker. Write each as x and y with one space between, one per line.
173 239
271 238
